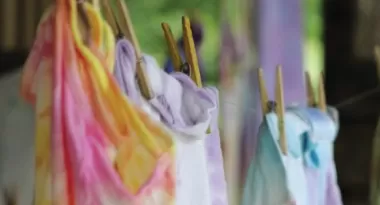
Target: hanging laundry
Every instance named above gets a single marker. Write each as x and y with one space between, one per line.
189 111
193 73
318 149
218 183
279 31
197 29
274 178
232 80
125 70
310 136
218 188
228 55
192 177
82 116
192 116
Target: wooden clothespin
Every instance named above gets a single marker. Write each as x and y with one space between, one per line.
310 92
172 47
96 4
311 101
321 94
279 107
189 47
280 110
263 92
127 28
190 52
110 17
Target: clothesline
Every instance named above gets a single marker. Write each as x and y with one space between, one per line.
344 103
103 139
153 139
357 98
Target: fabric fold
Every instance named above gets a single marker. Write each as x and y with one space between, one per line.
187 110
93 146
319 157
274 178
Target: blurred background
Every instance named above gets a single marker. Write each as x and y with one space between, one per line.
239 36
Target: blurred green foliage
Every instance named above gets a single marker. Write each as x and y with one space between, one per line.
312 13
147 16
313 38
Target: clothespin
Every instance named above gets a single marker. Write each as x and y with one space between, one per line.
172 46
321 104
263 92
128 30
189 47
110 17
84 21
321 94
310 92
280 110
279 105
96 4
190 52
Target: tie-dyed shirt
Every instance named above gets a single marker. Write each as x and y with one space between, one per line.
274 178
93 146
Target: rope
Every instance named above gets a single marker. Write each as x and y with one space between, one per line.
358 98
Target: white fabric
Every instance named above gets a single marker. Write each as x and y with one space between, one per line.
149 110
187 108
296 179
293 162
194 114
